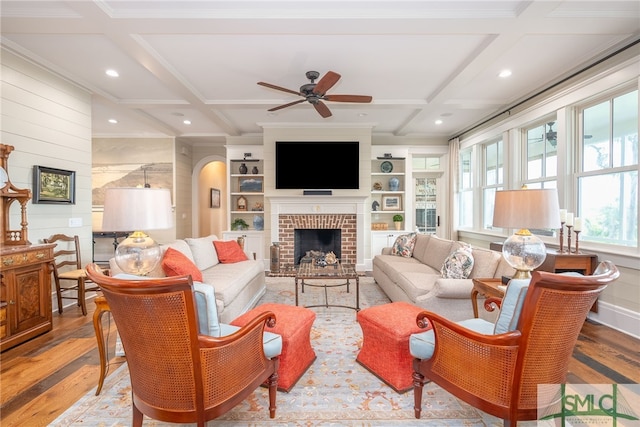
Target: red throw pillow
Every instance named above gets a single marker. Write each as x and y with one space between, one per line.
229 251
175 263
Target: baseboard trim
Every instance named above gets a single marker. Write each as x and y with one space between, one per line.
618 318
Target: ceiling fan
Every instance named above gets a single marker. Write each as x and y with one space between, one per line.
315 93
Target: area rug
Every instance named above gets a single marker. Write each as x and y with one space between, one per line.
335 390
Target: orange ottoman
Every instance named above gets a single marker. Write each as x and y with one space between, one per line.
293 324
385 342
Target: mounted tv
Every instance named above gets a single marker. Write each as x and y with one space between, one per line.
317 165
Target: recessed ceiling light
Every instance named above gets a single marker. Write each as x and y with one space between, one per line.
272 114
362 114
112 73
505 73
113 121
438 122
186 122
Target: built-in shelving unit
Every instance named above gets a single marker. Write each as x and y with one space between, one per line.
388 185
245 166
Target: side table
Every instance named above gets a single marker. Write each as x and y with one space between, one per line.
488 288
101 307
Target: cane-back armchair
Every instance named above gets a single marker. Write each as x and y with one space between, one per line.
497 367
177 374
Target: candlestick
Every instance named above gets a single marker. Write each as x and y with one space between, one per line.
577 241
569 227
561 236
563 215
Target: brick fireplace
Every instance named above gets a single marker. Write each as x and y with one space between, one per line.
287 224
319 212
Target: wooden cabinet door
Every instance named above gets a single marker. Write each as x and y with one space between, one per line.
32 302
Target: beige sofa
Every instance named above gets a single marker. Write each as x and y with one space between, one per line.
238 286
417 279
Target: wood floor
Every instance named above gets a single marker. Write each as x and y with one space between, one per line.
43 377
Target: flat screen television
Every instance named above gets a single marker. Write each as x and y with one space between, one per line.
318 165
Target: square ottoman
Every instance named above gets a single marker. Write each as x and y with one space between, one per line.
385 342
293 324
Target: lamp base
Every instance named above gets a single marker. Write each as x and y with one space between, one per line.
524 252
138 254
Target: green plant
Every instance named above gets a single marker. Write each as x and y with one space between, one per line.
397 218
239 224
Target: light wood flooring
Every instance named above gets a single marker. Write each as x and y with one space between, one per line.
43 377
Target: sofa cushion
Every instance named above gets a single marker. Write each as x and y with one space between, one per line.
175 263
420 246
458 264
417 283
229 251
436 252
403 246
485 263
203 251
232 279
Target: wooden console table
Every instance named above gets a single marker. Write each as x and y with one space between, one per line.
488 288
557 262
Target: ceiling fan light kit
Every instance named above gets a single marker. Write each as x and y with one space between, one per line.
315 93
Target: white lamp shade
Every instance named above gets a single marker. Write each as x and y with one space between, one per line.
534 208
521 210
137 209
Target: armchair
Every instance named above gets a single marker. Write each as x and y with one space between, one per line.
177 374
531 343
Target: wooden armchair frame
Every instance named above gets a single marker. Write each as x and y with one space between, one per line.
178 375
501 372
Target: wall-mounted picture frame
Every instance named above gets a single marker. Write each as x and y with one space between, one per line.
250 185
391 202
54 186
215 198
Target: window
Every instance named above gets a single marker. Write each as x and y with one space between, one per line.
541 165
608 179
465 180
493 179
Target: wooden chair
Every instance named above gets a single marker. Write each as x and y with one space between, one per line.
499 372
177 374
68 273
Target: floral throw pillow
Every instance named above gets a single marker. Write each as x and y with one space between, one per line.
404 244
458 264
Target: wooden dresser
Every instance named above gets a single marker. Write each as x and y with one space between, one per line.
25 293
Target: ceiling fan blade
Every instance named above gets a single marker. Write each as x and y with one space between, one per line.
348 98
278 88
326 82
280 107
322 108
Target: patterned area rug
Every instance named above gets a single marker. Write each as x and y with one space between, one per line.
335 390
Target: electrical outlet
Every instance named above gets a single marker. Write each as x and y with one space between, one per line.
75 222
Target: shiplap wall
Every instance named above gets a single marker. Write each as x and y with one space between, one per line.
48 121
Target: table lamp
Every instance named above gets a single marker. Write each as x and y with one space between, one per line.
134 210
521 210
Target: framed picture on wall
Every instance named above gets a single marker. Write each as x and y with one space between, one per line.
215 198
392 203
55 186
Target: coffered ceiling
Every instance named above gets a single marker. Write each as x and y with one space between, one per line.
421 61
